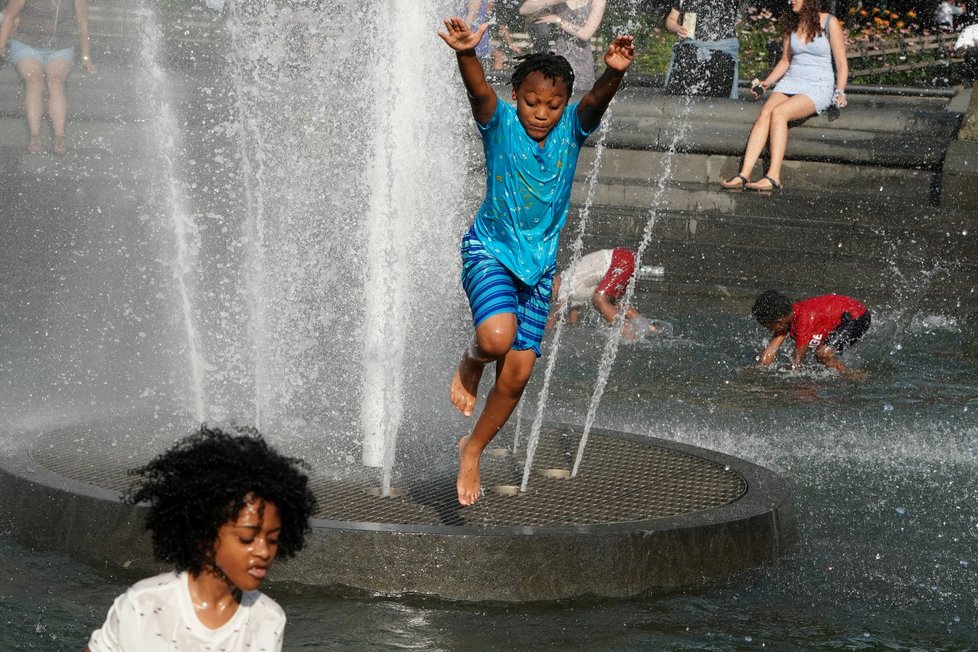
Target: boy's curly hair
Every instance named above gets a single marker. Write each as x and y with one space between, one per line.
553 66
771 306
202 483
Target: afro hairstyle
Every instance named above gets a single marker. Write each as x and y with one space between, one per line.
771 306
204 481
552 66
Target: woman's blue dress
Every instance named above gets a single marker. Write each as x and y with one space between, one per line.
810 72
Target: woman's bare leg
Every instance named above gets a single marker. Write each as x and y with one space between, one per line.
57 74
759 134
796 108
33 75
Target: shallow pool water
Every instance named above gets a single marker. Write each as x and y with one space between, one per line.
885 487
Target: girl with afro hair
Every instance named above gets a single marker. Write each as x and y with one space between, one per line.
222 508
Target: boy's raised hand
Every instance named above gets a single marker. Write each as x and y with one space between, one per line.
458 35
620 53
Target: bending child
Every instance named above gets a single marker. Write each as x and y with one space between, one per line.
827 324
221 509
600 278
509 254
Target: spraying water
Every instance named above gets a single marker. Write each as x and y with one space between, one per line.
610 351
347 143
166 133
576 251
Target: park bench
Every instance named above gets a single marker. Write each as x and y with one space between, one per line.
879 55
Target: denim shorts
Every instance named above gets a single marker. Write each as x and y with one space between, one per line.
20 51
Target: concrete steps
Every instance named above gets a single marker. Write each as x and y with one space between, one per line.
802 240
880 144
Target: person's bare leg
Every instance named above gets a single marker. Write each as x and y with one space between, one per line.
491 341
827 356
57 74
757 140
796 108
33 75
512 374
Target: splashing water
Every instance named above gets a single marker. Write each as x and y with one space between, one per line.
614 338
185 232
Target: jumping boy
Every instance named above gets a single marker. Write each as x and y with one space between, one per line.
509 254
827 323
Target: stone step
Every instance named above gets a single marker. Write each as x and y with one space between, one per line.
874 114
629 176
813 233
804 143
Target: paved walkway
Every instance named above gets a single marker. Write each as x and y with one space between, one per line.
862 199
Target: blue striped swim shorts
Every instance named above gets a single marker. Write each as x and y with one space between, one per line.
493 289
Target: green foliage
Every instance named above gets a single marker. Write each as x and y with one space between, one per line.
869 29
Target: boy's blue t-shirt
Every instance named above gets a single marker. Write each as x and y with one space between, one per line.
528 190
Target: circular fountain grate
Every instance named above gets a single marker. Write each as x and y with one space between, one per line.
622 479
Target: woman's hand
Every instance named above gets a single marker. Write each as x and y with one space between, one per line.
620 53
550 19
459 36
839 98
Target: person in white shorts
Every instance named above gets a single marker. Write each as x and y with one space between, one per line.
600 279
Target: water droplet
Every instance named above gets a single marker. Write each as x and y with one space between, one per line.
901 510
887 408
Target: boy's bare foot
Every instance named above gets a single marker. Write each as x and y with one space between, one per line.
465 384
468 484
34 145
59 145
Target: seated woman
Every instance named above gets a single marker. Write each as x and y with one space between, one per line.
807 86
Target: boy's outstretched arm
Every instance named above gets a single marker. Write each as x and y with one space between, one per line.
767 355
463 40
618 58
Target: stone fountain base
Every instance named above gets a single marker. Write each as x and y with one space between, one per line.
642 513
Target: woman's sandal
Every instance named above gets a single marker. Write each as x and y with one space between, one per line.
733 184
774 185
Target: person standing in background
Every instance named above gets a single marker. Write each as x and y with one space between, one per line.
946 14
706 58
44 50
574 23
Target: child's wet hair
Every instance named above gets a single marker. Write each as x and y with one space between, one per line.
771 306
204 480
552 66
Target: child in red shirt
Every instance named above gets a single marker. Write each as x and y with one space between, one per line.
827 324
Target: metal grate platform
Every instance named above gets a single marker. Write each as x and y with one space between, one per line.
622 479
642 513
